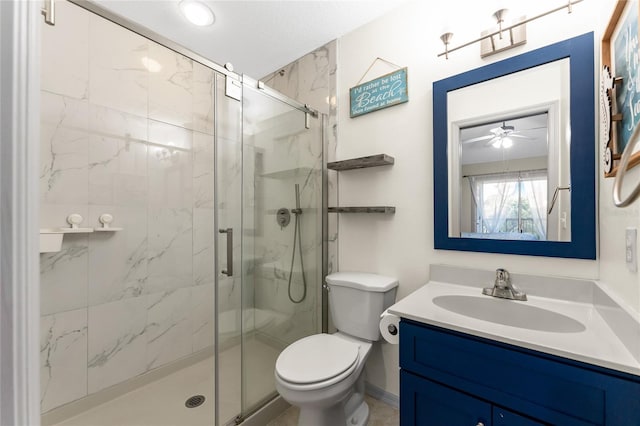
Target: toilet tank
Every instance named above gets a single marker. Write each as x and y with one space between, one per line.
356 301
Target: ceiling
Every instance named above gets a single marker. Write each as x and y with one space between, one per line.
257 37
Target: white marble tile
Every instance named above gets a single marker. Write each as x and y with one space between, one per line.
65 52
229 183
170 244
116 343
170 136
202 316
285 80
171 87
55 215
105 121
63 358
118 260
63 276
64 144
170 172
117 171
203 246
228 123
203 106
119 79
313 85
169 333
203 170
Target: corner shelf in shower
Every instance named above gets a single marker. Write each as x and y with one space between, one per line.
376 209
362 163
289 173
51 238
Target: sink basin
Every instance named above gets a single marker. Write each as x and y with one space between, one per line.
509 312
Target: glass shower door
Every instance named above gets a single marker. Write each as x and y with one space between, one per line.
281 236
228 195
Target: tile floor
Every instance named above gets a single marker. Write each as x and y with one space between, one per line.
161 403
381 414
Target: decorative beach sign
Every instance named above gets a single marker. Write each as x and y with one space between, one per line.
626 62
389 90
620 85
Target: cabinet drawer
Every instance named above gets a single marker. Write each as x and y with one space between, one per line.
544 387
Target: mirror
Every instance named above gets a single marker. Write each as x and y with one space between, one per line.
514 155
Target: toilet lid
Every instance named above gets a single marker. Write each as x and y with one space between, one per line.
316 358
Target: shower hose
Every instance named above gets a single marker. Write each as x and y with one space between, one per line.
297 240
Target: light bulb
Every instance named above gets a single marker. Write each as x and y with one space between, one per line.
197 13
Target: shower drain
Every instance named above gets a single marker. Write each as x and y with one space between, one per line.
194 401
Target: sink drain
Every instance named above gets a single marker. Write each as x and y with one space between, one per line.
194 401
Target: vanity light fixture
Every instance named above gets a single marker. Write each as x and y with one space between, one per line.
196 12
494 41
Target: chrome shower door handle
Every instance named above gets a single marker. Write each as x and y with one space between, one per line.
229 271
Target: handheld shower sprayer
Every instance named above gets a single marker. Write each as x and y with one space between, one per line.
297 240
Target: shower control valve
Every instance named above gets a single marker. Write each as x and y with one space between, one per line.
283 217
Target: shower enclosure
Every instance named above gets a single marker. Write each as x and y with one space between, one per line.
193 287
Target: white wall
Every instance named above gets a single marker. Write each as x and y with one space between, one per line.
401 245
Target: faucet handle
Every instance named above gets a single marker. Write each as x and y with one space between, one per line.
503 279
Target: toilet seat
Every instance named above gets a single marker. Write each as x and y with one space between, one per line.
317 361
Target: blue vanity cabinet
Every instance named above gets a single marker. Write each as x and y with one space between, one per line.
424 402
451 378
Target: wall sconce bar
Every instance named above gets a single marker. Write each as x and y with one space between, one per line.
447 37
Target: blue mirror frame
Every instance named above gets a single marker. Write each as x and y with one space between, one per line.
580 51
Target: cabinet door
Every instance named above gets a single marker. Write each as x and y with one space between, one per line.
423 402
502 417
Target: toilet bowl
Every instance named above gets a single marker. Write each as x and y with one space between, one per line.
322 374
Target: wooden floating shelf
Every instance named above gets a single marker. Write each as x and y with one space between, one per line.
377 209
362 162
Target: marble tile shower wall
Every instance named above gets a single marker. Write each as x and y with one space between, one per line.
127 129
286 154
312 80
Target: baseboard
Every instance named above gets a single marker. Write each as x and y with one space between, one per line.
72 409
382 395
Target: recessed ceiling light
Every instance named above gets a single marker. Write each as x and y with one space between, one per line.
197 13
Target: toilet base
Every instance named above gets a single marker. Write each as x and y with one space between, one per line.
353 412
335 416
360 417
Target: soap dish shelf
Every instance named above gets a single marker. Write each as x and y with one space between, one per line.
51 238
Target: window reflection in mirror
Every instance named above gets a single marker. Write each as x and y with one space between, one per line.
504 179
509 150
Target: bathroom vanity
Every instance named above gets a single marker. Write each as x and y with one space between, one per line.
567 356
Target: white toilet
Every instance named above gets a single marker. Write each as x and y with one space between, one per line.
322 374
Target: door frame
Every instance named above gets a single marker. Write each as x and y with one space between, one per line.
19 194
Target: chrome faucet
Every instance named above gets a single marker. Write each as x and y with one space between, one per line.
503 287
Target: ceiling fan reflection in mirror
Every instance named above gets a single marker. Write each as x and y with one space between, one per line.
499 137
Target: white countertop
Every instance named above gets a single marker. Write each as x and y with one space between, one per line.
598 344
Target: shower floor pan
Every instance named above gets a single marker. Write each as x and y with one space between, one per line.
162 402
